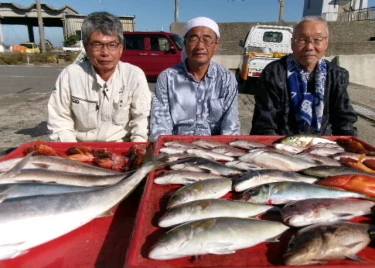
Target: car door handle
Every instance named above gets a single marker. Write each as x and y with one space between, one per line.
143 54
154 54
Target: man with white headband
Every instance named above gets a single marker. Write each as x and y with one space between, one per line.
196 96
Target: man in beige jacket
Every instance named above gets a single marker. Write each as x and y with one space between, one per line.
102 99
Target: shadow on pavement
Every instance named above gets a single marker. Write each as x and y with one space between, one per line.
37 131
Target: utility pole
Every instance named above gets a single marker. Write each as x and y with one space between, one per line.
281 11
175 10
41 27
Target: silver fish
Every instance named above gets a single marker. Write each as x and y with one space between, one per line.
228 150
243 165
248 144
287 191
210 208
323 210
214 236
54 163
173 150
208 143
316 244
277 160
182 144
304 140
203 164
209 155
205 189
16 190
60 177
184 177
289 148
31 221
319 159
253 178
325 171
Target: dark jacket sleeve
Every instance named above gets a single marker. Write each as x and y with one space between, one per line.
270 100
342 116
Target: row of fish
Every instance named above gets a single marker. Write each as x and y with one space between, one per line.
228 188
44 197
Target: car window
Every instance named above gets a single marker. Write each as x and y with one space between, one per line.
134 42
179 41
159 43
276 37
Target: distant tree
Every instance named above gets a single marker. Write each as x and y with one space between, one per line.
71 40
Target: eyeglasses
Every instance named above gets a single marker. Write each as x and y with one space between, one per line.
112 47
207 40
304 41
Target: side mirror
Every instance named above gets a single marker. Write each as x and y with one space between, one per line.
173 50
241 43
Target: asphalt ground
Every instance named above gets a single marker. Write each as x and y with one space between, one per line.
23 116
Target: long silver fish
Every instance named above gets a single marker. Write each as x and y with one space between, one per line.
210 155
311 211
210 208
325 171
16 190
287 191
183 177
318 243
228 150
277 160
205 189
31 221
253 178
54 163
60 177
208 143
204 164
215 236
248 144
243 165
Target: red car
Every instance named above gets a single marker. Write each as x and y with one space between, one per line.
153 52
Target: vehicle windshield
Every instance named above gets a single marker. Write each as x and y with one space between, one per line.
27 45
179 41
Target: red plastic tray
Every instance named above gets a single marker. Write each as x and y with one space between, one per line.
100 243
154 201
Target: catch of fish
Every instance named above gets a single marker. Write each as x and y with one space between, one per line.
214 196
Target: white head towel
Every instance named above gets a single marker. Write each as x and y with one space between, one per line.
202 21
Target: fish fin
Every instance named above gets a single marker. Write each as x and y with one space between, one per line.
108 213
220 248
355 258
3 197
19 166
343 215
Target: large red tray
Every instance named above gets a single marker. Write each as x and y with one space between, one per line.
153 202
100 243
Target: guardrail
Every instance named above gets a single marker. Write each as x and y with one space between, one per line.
355 15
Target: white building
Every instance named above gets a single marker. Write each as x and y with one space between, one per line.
331 9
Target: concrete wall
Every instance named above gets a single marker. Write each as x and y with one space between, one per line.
349 43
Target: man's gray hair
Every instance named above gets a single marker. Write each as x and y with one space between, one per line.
103 22
311 18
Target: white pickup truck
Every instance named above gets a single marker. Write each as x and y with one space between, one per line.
263 44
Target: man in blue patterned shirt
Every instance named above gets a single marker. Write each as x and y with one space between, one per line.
196 96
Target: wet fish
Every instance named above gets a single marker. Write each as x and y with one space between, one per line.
248 144
210 154
214 236
277 160
319 159
304 140
210 208
16 190
208 143
324 149
182 144
31 221
205 189
173 150
316 244
184 177
202 164
325 171
289 148
228 150
352 182
243 165
54 163
287 191
253 178
324 210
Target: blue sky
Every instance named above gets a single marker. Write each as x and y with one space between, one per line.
159 14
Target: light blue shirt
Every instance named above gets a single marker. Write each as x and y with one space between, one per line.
182 105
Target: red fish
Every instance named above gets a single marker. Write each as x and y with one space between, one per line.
364 184
356 146
39 148
356 164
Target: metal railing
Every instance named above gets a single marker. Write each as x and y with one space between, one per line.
355 15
